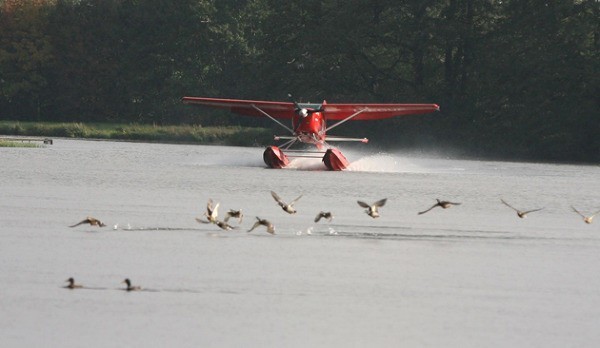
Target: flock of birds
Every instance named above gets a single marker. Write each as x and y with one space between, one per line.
212 213
212 217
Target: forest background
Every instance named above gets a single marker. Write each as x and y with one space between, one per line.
515 79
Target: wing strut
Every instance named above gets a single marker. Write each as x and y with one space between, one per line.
272 118
346 119
289 143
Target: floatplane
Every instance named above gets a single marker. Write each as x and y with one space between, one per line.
309 124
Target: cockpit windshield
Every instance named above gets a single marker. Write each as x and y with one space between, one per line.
313 106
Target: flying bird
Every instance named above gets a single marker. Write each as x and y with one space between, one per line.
325 215
372 210
263 222
442 204
90 220
234 214
520 213
288 208
72 284
224 225
586 219
212 212
130 287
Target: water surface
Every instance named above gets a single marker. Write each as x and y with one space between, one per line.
473 275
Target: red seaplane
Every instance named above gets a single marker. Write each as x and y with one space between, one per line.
309 124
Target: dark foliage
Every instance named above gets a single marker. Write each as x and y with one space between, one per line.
514 79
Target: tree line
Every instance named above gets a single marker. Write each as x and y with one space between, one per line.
515 79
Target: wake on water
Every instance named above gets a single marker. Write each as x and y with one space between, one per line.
384 163
359 161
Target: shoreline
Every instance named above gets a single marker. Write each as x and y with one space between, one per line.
172 134
181 134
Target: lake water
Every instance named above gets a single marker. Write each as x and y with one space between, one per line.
474 275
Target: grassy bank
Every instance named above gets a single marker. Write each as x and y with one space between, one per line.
190 134
8 143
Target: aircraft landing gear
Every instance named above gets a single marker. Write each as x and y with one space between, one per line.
334 160
275 158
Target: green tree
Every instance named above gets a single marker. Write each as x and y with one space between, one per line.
537 89
86 77
25 57
513 78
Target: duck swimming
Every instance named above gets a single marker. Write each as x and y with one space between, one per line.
129 287
72 284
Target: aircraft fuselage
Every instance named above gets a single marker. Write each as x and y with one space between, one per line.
309 128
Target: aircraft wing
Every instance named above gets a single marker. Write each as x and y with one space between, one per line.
375 111
285 110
